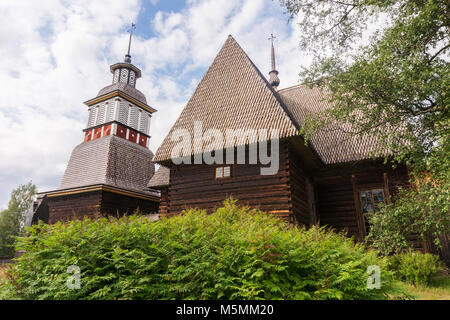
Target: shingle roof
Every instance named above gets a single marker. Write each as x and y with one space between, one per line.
233 94
124 87
333 143
111 161
161 178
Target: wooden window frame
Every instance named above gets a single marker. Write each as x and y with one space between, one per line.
358 203
363 215
222 178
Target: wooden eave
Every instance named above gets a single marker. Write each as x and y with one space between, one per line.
118 93
100 187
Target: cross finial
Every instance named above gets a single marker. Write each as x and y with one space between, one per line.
127 56
274 80
272 37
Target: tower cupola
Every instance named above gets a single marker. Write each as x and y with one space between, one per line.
125 72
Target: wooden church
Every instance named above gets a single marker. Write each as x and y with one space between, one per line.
332 180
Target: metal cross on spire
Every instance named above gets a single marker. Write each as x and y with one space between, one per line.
272 37
128 56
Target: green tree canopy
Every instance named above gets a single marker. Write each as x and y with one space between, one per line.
402 74
12 219
392 82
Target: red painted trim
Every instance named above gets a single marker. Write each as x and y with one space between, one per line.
143 141
88 135
121 131
132 136
107 130
97 133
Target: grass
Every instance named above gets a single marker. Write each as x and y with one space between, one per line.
438 289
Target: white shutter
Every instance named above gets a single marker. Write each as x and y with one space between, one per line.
219 172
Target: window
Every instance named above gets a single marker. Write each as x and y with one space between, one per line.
370 201
223 172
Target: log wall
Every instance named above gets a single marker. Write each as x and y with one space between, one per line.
74 206
299 199
95 204
164 201
117 204
195 186
326 196
338 192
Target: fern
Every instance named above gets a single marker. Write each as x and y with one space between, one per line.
234 253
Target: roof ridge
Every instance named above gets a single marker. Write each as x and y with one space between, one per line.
293 87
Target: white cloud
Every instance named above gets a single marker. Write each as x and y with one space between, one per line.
56 54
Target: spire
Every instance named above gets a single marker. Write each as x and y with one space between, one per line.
274 81
128 56
124 71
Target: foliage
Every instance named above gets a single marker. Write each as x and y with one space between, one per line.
12 219
420 211
415 267
401 76
394 87
234 253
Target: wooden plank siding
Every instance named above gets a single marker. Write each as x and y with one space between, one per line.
164 202
339 187
298 190
96 204
194 186
332 199
74 206
117 204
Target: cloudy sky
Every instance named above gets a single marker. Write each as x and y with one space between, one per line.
56 54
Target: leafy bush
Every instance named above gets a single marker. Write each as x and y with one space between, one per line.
234 253
415 267
421 211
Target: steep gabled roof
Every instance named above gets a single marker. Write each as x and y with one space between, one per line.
233 94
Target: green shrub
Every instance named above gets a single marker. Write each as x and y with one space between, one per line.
234 253
415 267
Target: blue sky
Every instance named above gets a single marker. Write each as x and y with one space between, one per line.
56 54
